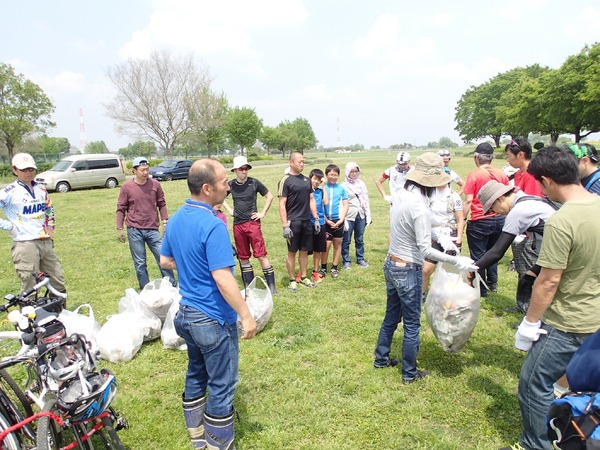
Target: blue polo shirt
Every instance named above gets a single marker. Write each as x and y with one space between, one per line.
199 242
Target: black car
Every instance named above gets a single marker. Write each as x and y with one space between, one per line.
171 169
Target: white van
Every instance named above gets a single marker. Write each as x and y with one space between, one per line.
84 171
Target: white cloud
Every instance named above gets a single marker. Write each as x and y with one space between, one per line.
65 81
441 19
517 10
585 26
209 26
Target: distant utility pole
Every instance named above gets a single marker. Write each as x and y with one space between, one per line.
338 135
82 139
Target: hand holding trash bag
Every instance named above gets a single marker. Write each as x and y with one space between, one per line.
464 264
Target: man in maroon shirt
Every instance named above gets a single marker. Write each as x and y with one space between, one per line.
140 201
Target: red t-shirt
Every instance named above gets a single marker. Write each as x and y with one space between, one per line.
525 182
475 181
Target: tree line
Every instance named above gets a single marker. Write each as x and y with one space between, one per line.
164 101
535 99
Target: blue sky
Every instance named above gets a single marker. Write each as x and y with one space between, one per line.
388 71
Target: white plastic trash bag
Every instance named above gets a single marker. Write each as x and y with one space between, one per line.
158 295
76 322
140 314
118 341
168 335
260 304
121 337
452 307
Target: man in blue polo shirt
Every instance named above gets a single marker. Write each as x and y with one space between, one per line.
197 245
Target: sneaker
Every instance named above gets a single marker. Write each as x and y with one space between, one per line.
306 282
361 263
516 446
347 265
298 278
513 309
293 287
322 273
420 375
316 278
391 363
335 273
493 287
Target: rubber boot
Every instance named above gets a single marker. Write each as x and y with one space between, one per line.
270 277
193 411
524 291
247 274
219 432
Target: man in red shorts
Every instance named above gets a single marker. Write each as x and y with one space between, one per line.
246 221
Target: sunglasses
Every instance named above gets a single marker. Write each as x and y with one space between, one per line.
516 144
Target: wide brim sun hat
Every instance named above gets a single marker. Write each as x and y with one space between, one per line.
429 171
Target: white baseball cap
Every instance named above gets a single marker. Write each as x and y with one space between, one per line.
23 161
403 157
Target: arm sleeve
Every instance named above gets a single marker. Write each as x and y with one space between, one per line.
161 203
494 254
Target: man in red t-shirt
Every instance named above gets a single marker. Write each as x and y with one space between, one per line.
518 155
483 229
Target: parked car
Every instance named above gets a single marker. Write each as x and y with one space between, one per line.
84 171
171 169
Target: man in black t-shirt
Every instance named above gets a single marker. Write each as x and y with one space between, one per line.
247 233
296 205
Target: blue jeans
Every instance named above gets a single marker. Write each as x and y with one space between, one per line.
212 359
545 363
356 226
404 287
482 235
138 238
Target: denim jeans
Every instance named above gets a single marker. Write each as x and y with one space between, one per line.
545 363
212 359
138 238
482 235
356 226
404 287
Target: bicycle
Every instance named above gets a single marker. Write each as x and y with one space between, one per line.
63 380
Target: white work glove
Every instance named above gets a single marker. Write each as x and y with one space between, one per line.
464 264
14 231
287 233
388 198
369 221
317 227
527 334
447 244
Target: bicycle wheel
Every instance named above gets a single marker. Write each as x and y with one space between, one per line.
10 442
109 435
49 436
8 385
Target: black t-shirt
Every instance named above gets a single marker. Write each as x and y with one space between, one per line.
244 198
297 190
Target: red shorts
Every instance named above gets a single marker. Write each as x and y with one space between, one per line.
246 235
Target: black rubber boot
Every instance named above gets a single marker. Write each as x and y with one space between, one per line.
270 277
247 274
219 432
193 411
524 291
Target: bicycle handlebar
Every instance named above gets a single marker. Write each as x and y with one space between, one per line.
22 299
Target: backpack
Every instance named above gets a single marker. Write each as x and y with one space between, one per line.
539 227
573 422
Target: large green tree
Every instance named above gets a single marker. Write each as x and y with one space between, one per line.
153 96
24 108
475 115
270 137
243 127
297 135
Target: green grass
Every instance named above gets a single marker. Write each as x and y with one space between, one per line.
306 381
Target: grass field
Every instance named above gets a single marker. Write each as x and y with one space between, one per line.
307 381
